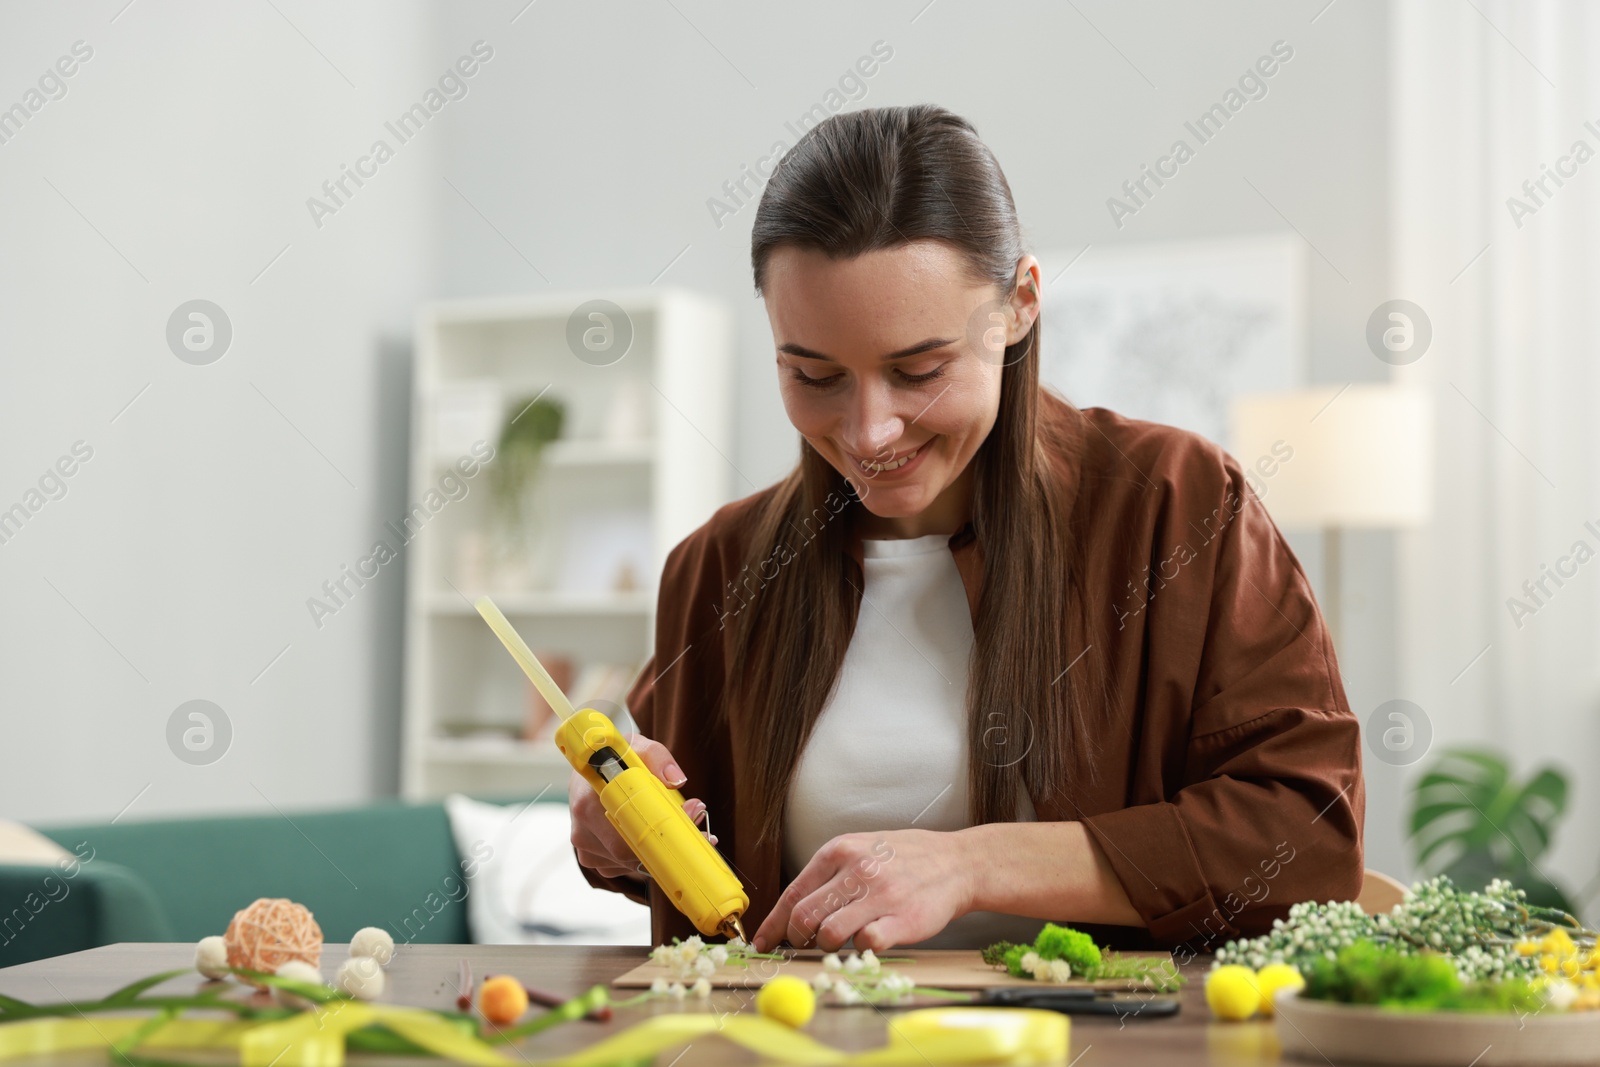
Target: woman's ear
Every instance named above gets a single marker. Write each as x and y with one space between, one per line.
1025 300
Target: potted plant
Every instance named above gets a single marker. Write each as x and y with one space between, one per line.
515 471
1474 821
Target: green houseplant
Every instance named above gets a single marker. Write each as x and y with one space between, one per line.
1474 821
518 457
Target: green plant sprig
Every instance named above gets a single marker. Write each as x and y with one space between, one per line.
567 1011
1478 930
1087 960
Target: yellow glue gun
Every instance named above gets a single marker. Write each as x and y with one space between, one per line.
648 815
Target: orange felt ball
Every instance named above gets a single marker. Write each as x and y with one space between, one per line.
502 1000
271 932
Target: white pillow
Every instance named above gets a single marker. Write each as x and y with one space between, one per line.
529 889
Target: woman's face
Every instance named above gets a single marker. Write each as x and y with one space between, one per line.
889 365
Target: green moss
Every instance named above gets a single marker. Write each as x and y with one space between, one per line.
995 954
1367 973
1012 957
1064 943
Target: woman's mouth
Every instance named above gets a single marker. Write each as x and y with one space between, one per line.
875 467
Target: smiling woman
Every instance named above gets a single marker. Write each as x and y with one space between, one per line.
939 722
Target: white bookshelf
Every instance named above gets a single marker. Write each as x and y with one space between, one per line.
630 494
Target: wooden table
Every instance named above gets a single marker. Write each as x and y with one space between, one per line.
425 976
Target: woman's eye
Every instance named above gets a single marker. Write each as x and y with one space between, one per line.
816 383
918 379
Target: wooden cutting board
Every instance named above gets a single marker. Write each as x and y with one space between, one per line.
932 968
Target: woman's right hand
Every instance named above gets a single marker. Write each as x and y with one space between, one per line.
599 846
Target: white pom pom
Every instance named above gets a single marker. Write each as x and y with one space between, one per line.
361 977
701 988
373 942
299 971
211 957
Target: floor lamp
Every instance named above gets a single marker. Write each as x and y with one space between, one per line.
1338 458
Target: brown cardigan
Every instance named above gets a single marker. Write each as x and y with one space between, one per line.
1226 784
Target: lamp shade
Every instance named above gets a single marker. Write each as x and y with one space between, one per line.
1360 456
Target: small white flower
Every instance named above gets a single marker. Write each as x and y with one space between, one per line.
853 964
1030 961
738 944
676 991
701 988
695 944
1060 970
718 955
1560 994
658 986
847 993
830 962
705 966
896 984
822 983
869 962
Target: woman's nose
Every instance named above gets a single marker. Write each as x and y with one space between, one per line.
873 425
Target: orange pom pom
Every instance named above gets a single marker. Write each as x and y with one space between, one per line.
502 1000
271 932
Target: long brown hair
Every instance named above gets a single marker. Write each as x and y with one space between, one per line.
859 182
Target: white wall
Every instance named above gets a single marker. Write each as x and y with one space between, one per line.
178 563
582 158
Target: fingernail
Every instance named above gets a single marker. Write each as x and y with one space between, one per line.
712 838
675 775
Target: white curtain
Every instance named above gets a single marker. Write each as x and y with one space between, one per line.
1486 94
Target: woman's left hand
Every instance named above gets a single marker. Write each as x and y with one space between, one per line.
882 889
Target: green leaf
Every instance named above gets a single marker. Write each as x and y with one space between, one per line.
1469 814
312 991
10 1004
133 989
141 1033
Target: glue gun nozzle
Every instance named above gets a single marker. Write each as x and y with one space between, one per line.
734 928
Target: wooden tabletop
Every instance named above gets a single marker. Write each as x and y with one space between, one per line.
425 976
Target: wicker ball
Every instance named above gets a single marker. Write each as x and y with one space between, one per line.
271 932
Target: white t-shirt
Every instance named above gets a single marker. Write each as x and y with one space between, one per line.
889 751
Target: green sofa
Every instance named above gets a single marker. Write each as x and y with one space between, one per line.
391 865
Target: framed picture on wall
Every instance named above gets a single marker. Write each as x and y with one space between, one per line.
1171 332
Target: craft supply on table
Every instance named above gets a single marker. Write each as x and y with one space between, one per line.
685 866
271 932
939 968
323 1034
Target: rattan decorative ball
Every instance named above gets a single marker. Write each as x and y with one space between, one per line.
271 932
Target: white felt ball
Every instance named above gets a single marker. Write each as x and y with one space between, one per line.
373 942
211 957
299 971
361 977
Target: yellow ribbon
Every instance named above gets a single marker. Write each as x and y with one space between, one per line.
317 1038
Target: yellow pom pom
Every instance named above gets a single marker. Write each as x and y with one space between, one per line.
1273 977
787 1000
1232 993
1558 943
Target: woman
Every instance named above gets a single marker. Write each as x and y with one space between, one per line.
983 659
